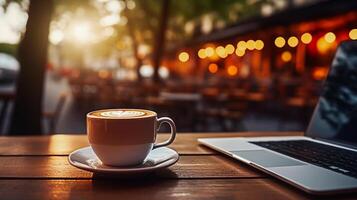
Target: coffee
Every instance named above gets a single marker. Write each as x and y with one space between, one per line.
122 137
122 113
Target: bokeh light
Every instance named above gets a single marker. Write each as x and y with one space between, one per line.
130 4
240 53
293 41
286 56
250 44
56 36
109 20
232 70
320 73
184 56
164 72
259 44
221 52
306 38
229 49
213 68
330 37
82 32
323 46
104 74
146 71
241 45
202 53
279 42
209 51
353 34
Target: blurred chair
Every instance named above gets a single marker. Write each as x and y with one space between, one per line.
53 117
6 97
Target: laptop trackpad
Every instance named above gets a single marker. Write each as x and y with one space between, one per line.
266 158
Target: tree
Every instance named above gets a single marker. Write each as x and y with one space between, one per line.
160 38
32 55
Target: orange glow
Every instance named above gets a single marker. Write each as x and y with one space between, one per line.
330 37
213 68
76 73
353 34
244 71
229 49
250 44
209 51
232 70
306 38
221 52
259 44
286 56
323 46
279 42
241 45
293 41
202 53
240 53
320 73
103 74
184 56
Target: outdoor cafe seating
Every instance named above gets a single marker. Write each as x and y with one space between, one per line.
205 99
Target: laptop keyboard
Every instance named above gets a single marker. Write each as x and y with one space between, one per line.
333 158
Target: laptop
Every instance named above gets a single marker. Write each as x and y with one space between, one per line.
324 160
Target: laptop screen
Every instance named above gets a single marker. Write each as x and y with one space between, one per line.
335 115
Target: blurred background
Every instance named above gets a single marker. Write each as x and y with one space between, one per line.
211 65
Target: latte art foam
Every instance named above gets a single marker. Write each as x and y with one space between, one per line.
122 113
126 113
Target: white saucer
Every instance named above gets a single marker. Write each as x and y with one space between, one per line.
86 159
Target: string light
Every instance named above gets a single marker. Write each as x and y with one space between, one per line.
202 53
241 45
330 37
240 53
250 44
279 42
259 44
209 51
293 41
221 52
229 49
353 34
306 38
184 56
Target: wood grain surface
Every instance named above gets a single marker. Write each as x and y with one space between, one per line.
37 168
207 166
147 189
185 143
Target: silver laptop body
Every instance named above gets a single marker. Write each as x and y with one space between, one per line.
334 123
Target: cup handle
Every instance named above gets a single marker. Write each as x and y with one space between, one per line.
173 131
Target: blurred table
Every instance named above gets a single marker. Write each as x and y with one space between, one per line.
37 168
180 97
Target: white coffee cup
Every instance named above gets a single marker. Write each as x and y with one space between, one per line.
124 137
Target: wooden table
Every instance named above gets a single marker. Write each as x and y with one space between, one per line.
37 168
